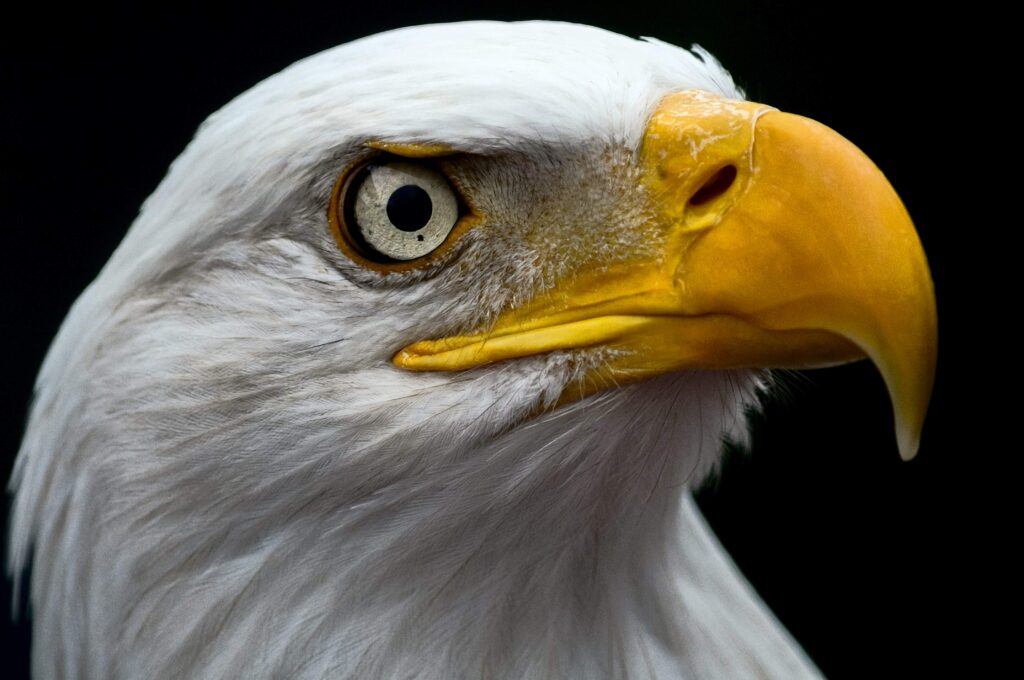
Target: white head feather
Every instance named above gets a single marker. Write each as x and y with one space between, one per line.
223 475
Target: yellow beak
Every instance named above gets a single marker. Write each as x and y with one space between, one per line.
781 246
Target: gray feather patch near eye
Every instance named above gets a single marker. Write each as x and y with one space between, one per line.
399 241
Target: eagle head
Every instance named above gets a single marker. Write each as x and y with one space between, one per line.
408 366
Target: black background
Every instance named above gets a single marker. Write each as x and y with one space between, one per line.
864 558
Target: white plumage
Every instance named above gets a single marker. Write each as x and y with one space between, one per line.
224 476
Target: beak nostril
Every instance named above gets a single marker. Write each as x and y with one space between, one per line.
717 185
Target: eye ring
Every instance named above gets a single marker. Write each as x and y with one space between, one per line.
393 213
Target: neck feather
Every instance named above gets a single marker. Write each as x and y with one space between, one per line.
568 547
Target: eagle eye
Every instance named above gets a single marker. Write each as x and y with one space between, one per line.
394 211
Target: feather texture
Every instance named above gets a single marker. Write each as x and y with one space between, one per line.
224 476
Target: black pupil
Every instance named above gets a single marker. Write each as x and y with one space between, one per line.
409 208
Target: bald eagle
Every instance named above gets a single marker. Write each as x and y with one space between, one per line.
408 367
